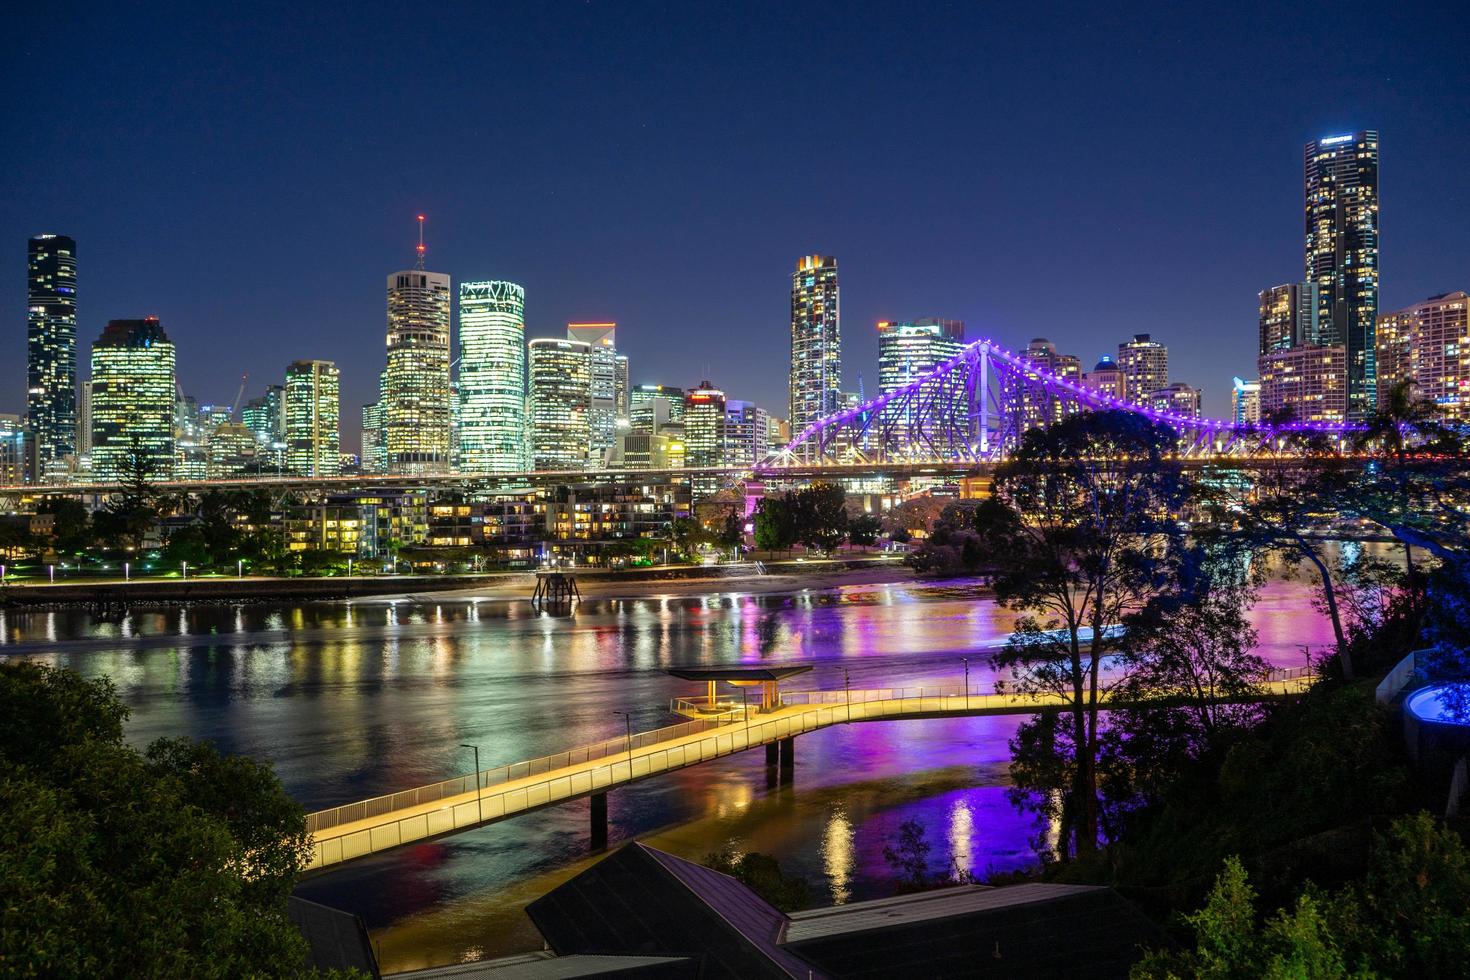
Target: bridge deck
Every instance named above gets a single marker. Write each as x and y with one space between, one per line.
372 826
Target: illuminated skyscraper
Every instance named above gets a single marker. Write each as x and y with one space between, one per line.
1037 405
372 458
416 394
624 393
1289 317
705 427
1309 384
492 377
602 340
1145 365
1428 345
313 422
747 433
1178 399
643 394
51 350
908 351
133 386
561 404
1245 402
816 341
1107 378
1342 253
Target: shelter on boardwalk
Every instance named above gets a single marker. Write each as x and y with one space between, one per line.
768 679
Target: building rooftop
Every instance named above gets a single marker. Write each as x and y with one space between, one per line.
736 673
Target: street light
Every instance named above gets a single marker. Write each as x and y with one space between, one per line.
628 721
185 566
966 662
847 689
479 807
51 570
127 571
239 568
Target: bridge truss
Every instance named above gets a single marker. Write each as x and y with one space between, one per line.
977 406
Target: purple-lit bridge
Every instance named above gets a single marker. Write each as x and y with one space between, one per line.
977 406
719 726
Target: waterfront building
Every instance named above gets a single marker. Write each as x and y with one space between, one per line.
561 404
133 386
335 526
1308 384
313 407
593 523
1289 317
1145 365
1428 345
1107 377
416 422
1341 198
816 341
492 377
909 350
1245 402
747 433
1176 399
51 351
602 421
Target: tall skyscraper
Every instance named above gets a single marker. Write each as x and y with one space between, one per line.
313 418
643 394
133 387
561 404
1307 383
492 377
704 434
908 351
816 341
372 459
416 393
747 433
84 425
1245 401
1341 184
1289 317
13 439
624 393
1145 364
51 350
602 340
1037 406
1428 345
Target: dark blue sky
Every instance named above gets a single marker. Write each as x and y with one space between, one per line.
250 173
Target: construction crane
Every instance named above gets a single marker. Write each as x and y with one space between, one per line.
239 394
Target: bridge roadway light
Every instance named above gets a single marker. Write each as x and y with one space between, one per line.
479 806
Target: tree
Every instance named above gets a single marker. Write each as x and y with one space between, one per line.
71 528
130 513
731 532
177 862
686 535
863 530
775 523
1081 530
821 516
763 875
909 856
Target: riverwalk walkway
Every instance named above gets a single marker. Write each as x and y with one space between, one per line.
720 728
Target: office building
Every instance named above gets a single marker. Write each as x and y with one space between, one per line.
747 433
1304 384
561 404
492 377
601 340
232 449
84 425
51 350
643 394
653 415
1428 346
1245 402
1176 399
909 350
374 456
1341 197
313 409
416 422
133 386
265 416
1288 317
1145 366
13 439
705 426
1107 377
624 394
816 341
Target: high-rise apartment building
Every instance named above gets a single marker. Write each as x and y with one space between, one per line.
561 404
1307 383
313 418
51 350
1245 402
602 340
1107 377
133 386
1036 405
747 433
1145 366
1428 346
816 341
1289 317
492 377
416 420
909 350
1341 196
1177 398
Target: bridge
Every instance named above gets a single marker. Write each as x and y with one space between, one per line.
718 728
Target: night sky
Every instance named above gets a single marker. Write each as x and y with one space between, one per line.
250 173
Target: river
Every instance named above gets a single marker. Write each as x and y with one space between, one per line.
350 700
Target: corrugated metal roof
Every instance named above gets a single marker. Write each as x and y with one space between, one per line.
920 907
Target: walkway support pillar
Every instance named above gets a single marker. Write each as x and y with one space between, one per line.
599 822
772 756
788 759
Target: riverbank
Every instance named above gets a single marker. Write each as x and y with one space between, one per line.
631 583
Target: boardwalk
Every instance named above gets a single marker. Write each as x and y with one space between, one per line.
369 827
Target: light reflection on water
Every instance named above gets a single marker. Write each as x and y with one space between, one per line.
353 700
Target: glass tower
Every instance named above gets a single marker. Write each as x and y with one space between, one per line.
133 385
313 429
51 350
416 392
1341 183
492 377
602 339
816 341
561 404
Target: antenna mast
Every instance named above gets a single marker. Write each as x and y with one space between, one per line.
421 242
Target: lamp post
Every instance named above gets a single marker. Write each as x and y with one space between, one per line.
2 574
847 689
127 571
966 662
51 571
479 806
628 723
185 566
239 568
